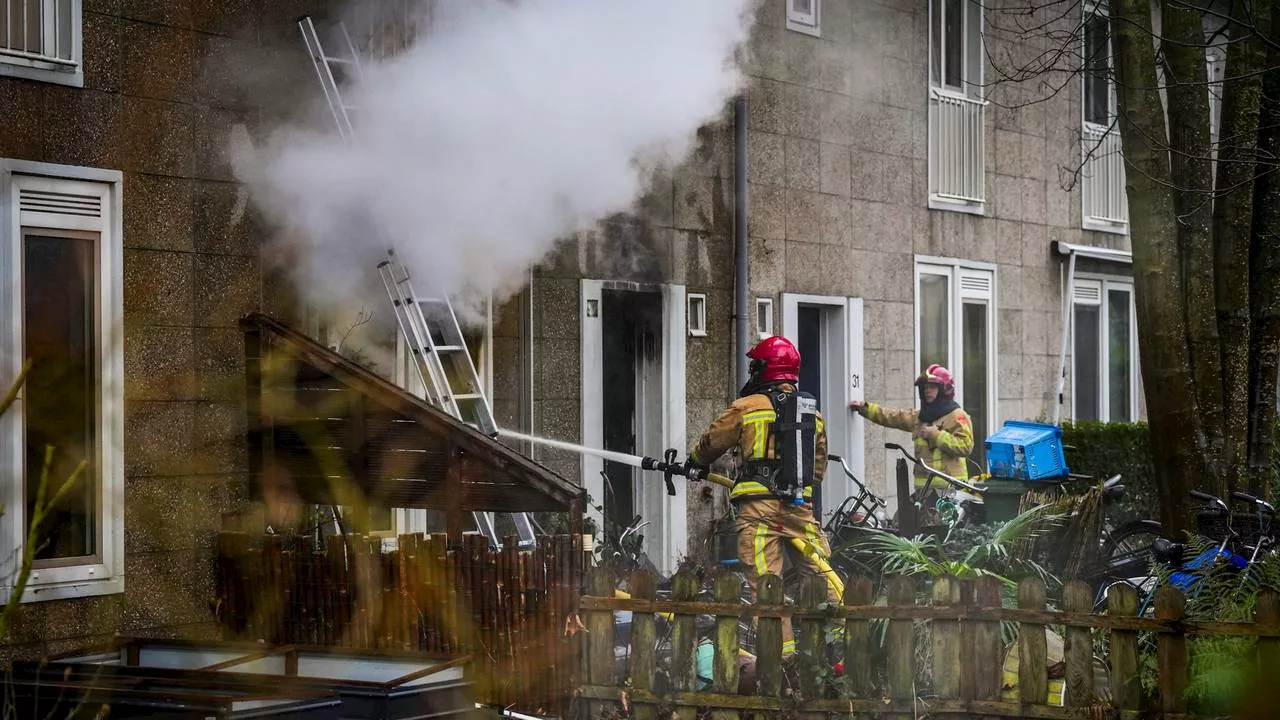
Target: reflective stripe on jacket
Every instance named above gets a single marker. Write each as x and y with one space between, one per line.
945 453
746 424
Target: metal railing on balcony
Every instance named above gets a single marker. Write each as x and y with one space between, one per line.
39 33
1102 178
957 147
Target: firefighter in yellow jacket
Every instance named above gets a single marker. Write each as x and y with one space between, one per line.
941 431
780 435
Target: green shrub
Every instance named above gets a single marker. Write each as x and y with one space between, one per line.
1101 450
1104 449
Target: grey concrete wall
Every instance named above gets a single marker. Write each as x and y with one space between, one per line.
163 89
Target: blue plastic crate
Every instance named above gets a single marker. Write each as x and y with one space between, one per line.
1026 451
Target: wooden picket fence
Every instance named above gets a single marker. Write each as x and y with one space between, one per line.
882 678
502 612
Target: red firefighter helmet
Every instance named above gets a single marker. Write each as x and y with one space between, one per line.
935 374
775 358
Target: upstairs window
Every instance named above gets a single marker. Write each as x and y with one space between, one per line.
956 46
1098 93
957 112
40 40
805 16
1104 204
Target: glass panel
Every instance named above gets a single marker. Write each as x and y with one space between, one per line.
976 374
61 407
63 31
934 318
936 31
1087 385
1097 101
954 43
1119 357
21 25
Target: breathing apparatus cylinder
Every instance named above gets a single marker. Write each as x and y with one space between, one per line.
795 431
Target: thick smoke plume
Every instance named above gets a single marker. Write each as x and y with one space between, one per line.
504 127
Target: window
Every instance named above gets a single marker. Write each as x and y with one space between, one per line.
40 40
764 317
805 16
1104 351
1216 63
1099 96
955 327
62 229
1102 193
697 315
957 140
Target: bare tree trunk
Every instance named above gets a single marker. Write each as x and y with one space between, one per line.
1158 285
1264 280
1192 166
1232 225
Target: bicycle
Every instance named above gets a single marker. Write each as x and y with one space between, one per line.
965 505
1239 543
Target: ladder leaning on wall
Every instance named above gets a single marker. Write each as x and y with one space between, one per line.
429 325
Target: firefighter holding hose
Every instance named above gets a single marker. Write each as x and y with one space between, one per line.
779 432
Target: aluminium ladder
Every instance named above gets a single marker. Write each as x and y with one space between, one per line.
438 349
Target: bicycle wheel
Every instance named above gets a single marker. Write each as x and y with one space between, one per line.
1132 538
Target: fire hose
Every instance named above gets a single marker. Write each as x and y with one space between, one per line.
670 467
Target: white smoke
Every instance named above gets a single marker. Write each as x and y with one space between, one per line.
503 128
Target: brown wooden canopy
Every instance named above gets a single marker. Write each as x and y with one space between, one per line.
322 429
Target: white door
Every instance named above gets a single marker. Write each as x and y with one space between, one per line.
831 327
659 422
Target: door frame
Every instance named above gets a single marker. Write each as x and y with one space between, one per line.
666 538
846 431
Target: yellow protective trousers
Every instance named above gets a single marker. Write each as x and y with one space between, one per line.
765 530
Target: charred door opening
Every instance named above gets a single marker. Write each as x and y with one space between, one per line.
809 343
631 324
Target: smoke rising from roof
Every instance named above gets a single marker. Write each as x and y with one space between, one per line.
504 127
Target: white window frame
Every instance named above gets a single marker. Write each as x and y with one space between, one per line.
103 575
697 314
809 23
1103 285
764 317
980 274
970 96
44 68
1099 141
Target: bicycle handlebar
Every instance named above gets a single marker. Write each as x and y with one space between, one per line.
854 478
1257 502
956 482
1212 500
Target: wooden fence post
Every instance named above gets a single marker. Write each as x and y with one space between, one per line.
987 650
1122 601
857 638
1033 678
1077 598
946 640
684 642
728 589
1171 652
900 639
769 638
643 637
810 637
600 635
